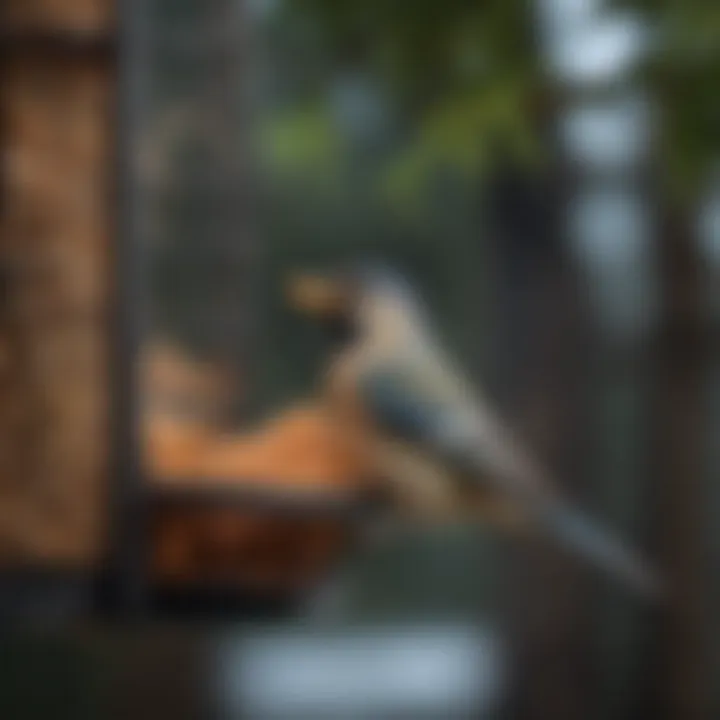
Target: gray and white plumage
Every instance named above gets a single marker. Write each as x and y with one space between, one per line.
434 438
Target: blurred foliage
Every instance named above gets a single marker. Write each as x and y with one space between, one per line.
682 71
463 134
306 138
454 80
464 79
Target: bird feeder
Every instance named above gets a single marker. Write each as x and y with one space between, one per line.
263 513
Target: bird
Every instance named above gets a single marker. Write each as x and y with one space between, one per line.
426 434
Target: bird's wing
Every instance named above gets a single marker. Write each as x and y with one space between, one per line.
422 403
399 403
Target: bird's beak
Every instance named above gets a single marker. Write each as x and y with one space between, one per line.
317 294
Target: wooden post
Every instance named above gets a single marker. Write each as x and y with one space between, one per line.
56 95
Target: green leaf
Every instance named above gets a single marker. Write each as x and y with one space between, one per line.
302 143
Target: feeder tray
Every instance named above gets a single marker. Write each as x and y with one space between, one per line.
243 546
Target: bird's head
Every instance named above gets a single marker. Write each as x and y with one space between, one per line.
329 298
351 300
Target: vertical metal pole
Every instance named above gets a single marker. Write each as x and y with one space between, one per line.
126 591
230 231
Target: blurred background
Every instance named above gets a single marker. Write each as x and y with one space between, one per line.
545 172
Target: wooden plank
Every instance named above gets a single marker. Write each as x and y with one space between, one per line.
53 318
88 17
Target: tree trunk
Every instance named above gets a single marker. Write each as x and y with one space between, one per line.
680 684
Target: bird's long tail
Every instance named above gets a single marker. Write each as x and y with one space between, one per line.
587 539
518 478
